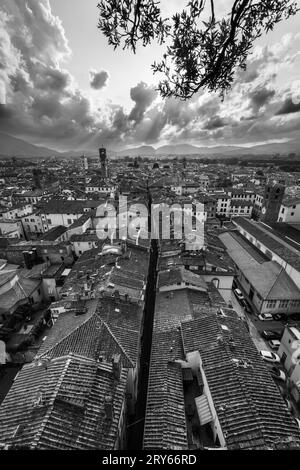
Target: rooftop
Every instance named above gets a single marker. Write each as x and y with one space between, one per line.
248 404
53 234
63 206
268 278
106 327
60 404
273 243
291 201
180 275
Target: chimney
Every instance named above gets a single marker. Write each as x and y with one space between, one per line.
124 246
109 407
116 366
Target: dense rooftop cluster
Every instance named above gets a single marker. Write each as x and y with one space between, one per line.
140 341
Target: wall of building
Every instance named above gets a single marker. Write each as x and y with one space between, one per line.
34 224
54 220
289 214
195 363
224 284
290 270
83 246
11 229
50 290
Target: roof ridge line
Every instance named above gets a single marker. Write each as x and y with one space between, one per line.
65 337
277 277
115 339
51 404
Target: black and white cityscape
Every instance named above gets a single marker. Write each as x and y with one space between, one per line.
149 226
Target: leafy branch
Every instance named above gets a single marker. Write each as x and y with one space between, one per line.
200 54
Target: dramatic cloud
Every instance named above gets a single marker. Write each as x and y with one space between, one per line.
289 108
98 80
214 123
260 97
143 96
40 101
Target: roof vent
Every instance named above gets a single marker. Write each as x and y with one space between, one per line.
116 366
108 407
37 400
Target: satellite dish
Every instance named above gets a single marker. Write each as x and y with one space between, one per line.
264 210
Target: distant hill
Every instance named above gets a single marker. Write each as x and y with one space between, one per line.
12 147
135 152
223 150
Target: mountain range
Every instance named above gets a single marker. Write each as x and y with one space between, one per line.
14 147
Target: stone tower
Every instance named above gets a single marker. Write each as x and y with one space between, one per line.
272 202
103 162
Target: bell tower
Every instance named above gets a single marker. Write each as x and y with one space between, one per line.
103 162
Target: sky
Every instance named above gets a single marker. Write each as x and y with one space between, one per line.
62 86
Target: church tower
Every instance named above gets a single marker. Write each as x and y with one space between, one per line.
103 162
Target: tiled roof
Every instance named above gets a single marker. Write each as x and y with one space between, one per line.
249 406
84 237
165 425
61 405
107 328
20 291
268 278
179 275
84 218
291 201
63 206
53 234
269 241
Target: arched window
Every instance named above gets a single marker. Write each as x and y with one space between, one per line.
216 282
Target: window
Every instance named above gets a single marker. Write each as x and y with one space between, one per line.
284 304
292 214
49 221
283 357
271 304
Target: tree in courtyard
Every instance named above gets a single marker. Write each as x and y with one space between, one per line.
198 54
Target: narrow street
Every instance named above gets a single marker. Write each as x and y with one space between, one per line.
136 424
259 342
